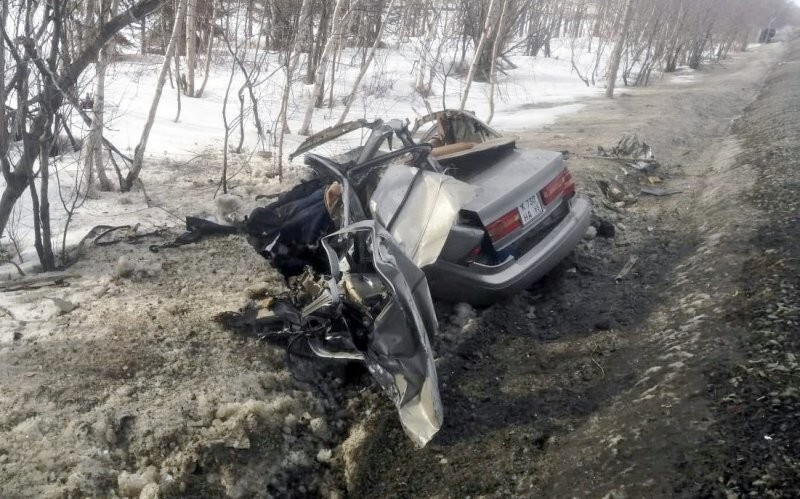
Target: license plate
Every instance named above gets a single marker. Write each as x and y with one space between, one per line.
530 209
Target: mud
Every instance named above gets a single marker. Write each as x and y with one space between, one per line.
139 388
584 386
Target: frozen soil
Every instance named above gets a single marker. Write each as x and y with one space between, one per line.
757 396
120 383
137 386
676 380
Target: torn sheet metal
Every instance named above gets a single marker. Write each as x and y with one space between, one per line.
630 146
397 351
419 208
329 134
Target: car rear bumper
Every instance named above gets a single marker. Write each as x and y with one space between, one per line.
481 285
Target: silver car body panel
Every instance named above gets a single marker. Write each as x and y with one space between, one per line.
515 176
398 354
328 135
419 208
482 284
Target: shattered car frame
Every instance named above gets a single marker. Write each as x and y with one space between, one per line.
457 208
372 303
399 319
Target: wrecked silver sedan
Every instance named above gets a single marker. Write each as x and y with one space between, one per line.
523 219
458 208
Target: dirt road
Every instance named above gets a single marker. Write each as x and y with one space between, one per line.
646 387
672 380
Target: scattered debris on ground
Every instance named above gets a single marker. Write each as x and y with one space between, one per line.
628 147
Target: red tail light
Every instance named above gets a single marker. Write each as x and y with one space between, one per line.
504 225
562 184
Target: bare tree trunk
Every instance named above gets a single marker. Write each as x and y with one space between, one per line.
240 96
46 257
210 45
316 45
616 56
4 128
89 21
138 156
334 61
180 82
365 66
473 67
90 6
495 53
292 60
143 35
94 156
191 44
37 222
337 23
224 178
419 86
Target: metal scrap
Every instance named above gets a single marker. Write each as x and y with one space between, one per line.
368 301
616 193
633 152
630 146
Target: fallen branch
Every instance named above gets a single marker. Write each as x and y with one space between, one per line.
19 269
627 268
655 191
49 279
8 313
591 356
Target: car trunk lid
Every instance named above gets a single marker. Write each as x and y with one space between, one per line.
512 186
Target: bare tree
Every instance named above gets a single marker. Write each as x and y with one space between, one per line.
138 156
94 156
613 67
191 45
57 78
485 35
209 47
180 81
291 62
224 178
495 54
351 96
338 22
430 34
